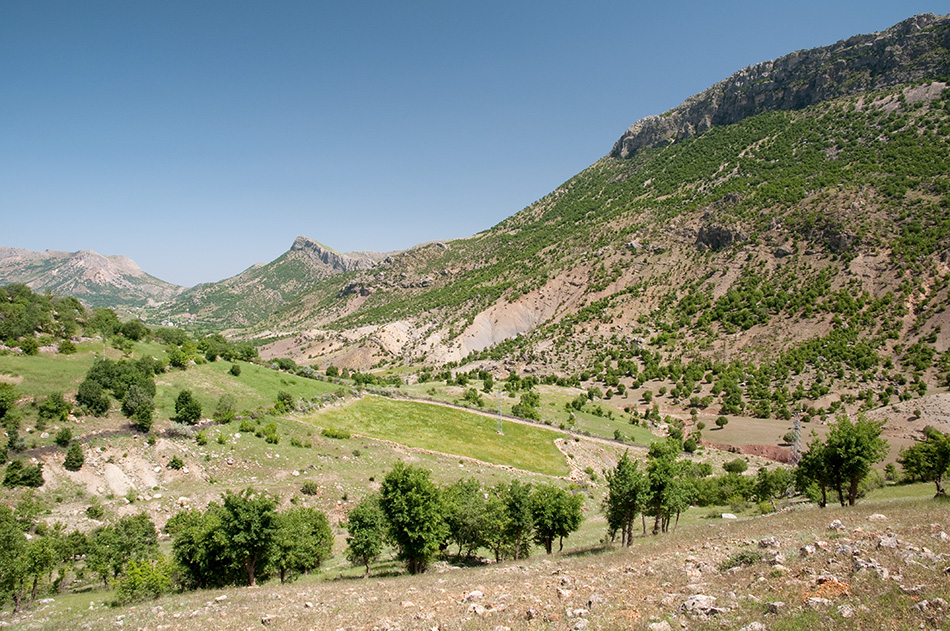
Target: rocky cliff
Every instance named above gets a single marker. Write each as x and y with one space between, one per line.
348 262
916 48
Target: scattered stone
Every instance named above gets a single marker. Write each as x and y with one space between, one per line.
769 542
563 594
877 517
846 611
581 623
817 603
308 605
407 604
729 516
474 595
836 525
701 604
807 550
220 599
663 625
888 541
268 619
779 570
478 609
776 607
754 626
532 614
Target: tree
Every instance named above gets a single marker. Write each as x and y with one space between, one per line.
626 497
555 513
8 398
721 422
366 526
851 449
249 525
413 507
55 407
90 395
19 474
843 460
811 472
187 408
13 557
928 460
302 542
520 520
465 514
74 458
666 495
201 550
112 547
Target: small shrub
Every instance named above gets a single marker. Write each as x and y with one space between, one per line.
143 580
739 559
95 511
235 370
64 437
309 487
74 458
176 463
331 432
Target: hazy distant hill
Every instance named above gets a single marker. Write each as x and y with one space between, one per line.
97 280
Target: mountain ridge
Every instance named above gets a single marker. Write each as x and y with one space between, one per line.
803 78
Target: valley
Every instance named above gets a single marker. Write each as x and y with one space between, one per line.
704 383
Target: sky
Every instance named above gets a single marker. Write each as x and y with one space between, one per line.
200 138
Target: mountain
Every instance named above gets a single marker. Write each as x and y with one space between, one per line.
97 280
263 289
804 225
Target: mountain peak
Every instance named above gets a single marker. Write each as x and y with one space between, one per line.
338 262
876 61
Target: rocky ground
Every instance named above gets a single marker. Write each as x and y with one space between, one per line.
881 565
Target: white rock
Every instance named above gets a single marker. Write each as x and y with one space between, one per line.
729 516
877 517
473 596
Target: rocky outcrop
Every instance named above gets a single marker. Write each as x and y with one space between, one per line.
337 262
912 50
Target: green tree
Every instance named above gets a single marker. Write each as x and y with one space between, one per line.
928 460
519 519
625 499
851 449
302 542
8 398
812 474
465 514
13 558
111 547
249 525
74 458
55 408
91 396
413 508
555 513
187 408
366 526
201 550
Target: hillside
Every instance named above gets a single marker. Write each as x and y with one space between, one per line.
97 280
797 250
266 288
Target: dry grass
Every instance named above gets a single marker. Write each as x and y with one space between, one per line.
611 588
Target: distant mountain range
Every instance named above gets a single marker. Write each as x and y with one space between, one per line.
97 280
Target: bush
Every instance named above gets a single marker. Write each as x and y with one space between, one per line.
736 466
309 487
18 474
742 558
176 463
143 580
74 458
187 408
339 434
55 407
224 412
235 370
64 437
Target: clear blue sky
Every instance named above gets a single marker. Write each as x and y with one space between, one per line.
201 137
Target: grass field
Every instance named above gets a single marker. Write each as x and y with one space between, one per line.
448 430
